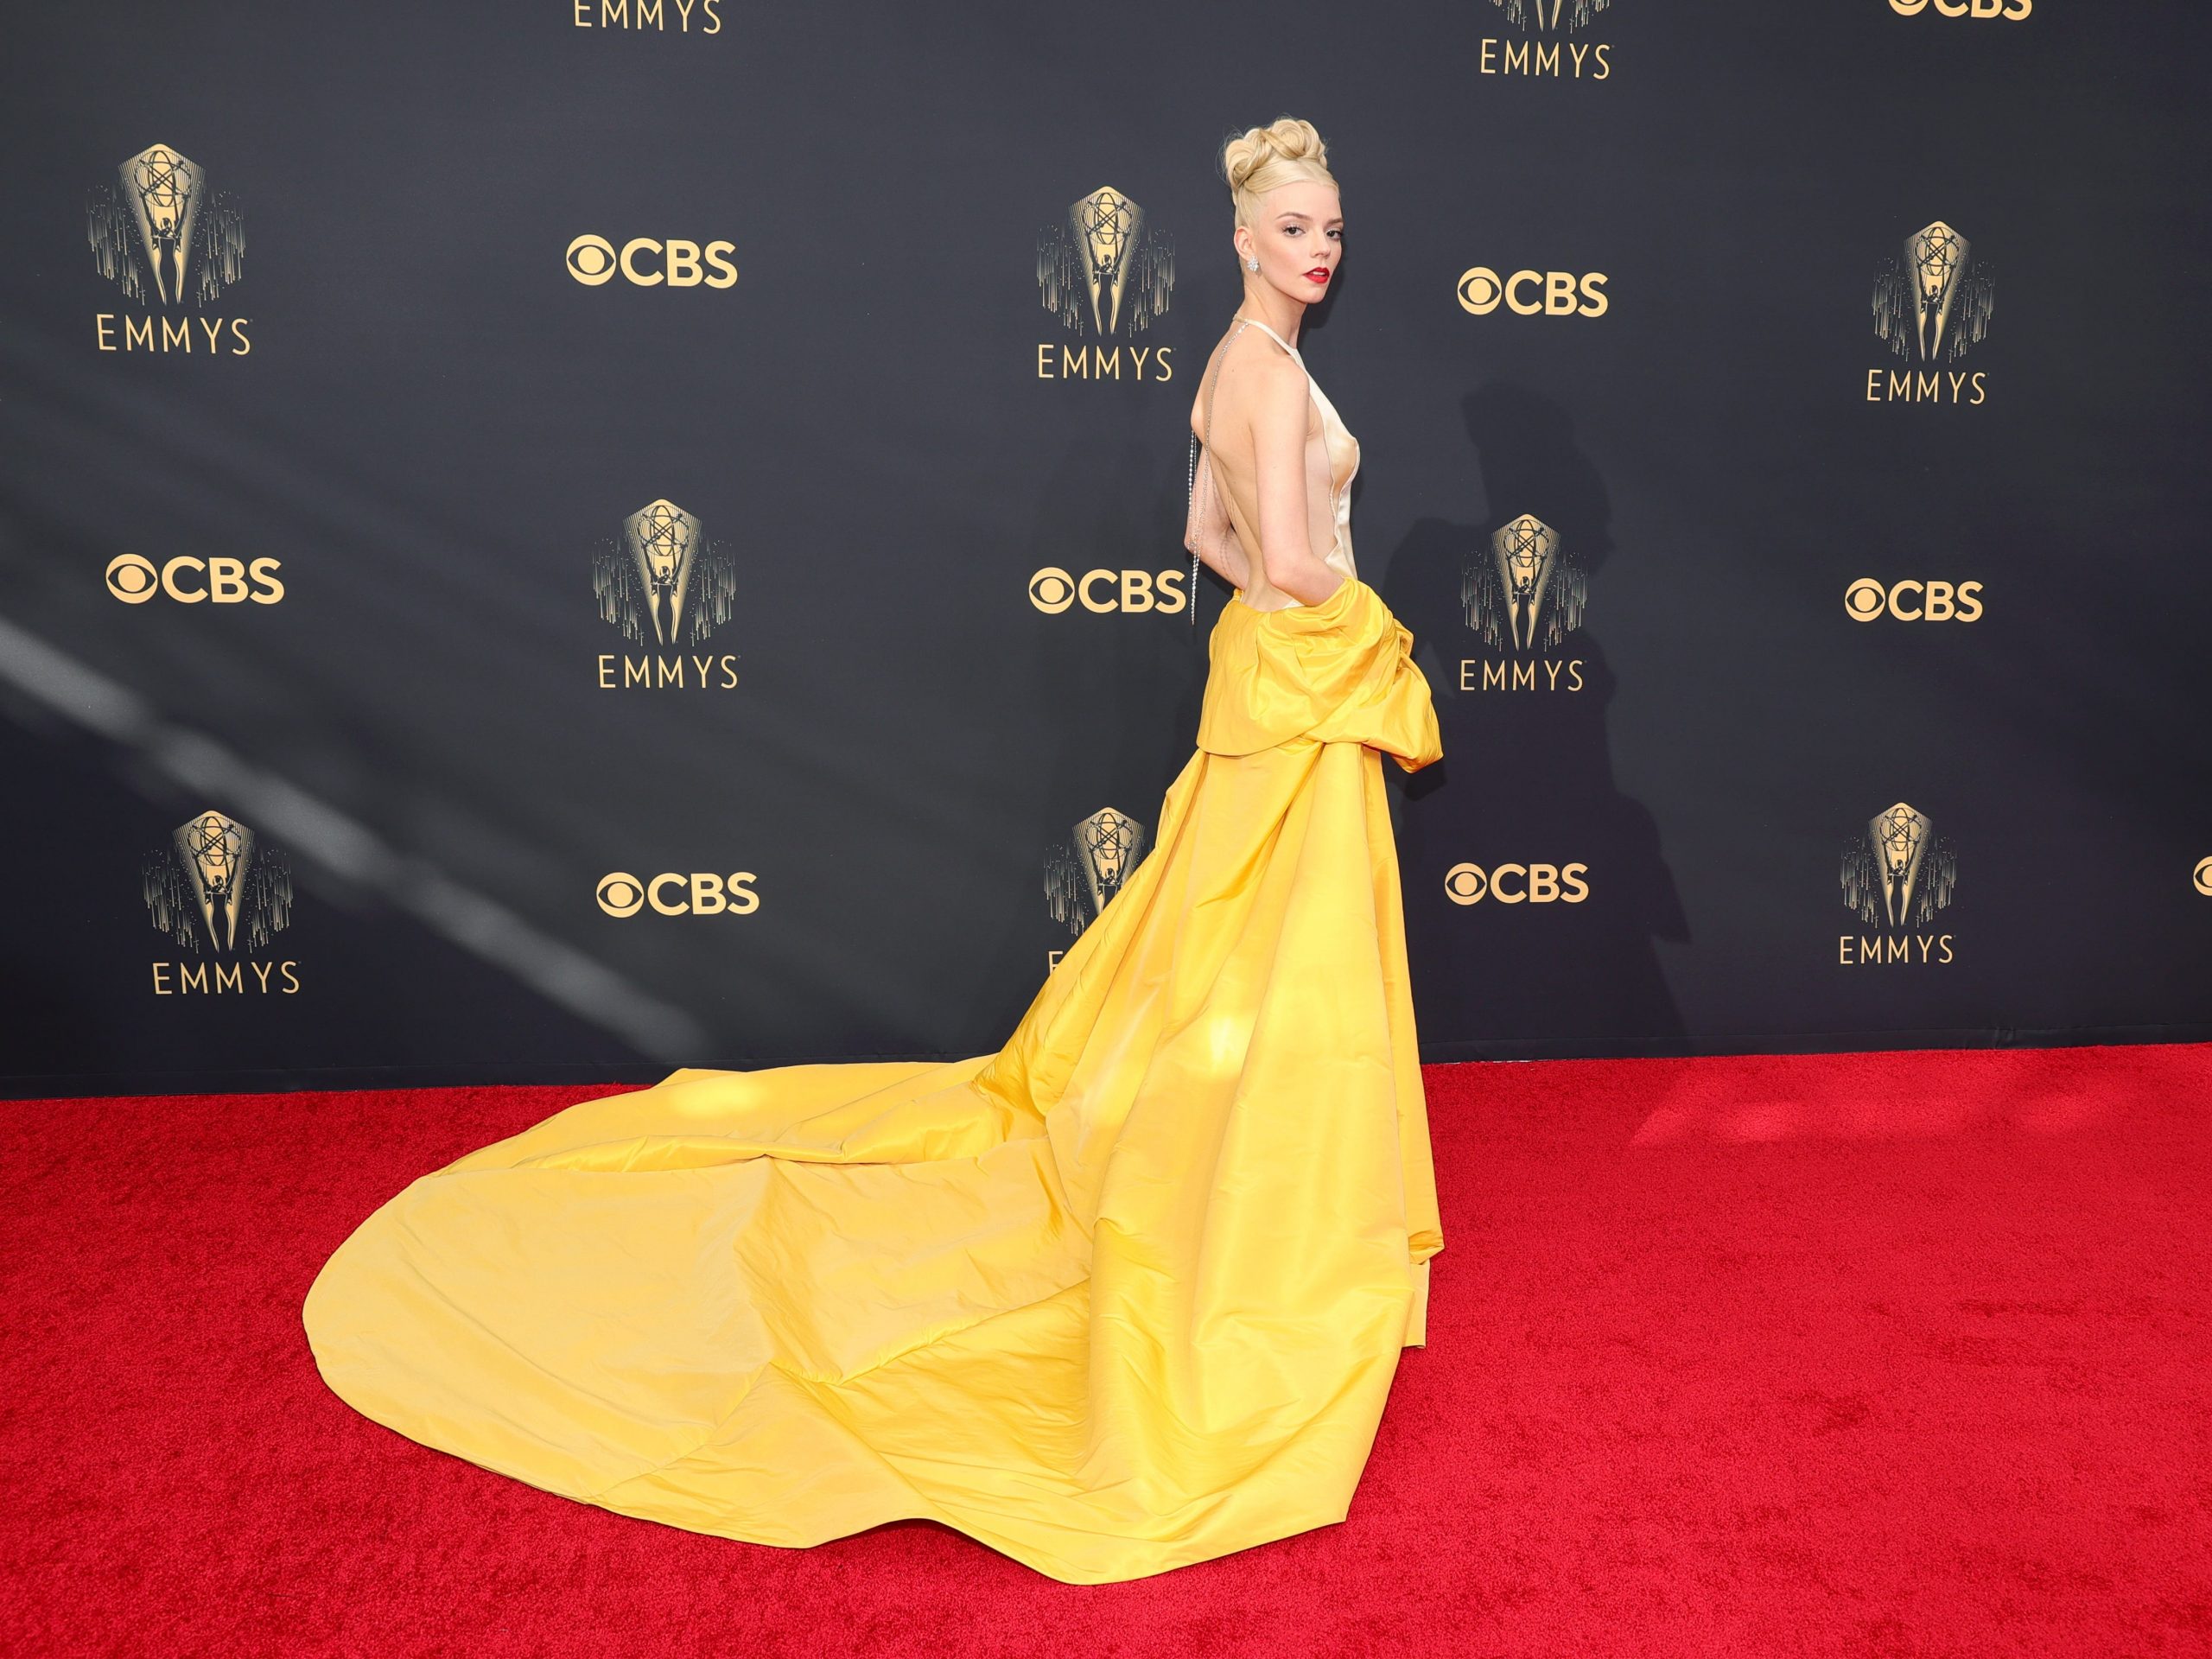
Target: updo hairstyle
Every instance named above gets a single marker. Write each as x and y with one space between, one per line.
1262 158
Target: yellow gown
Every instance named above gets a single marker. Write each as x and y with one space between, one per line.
1127 1294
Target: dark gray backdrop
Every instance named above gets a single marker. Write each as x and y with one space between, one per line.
437 427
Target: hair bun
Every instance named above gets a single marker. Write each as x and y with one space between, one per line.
1285 139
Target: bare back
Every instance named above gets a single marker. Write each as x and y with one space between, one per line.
1272 491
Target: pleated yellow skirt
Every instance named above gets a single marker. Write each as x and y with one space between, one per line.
1126 1294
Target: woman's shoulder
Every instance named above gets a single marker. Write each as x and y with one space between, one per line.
1258 381
1268 373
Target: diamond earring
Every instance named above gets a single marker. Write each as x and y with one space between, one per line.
1251 264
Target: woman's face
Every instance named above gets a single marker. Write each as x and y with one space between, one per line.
1297 235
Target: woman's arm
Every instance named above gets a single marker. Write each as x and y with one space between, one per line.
1278 409
1210 533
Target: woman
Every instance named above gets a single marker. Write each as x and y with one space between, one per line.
1126 1294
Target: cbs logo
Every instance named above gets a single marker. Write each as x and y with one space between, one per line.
1866 600
1553 293
2014 10
1518 884
2204 877
623 894
1052 590
189 580
594 260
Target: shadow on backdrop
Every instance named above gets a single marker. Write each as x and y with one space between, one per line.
1526 776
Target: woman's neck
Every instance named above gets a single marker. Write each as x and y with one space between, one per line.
1285 316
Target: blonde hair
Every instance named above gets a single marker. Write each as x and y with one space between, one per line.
1261 158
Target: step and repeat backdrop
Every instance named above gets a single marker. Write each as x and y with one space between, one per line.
551 539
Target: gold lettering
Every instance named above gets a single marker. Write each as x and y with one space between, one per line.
1516 59
192 976
225 579
179 332
607 670
101 330
637 672
708 6
650 9
1547 59
671 673
1487 46
138 331
160 980
1605 68
261 971
729 673
214 328
230 977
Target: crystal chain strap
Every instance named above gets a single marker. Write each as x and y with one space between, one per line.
1191 479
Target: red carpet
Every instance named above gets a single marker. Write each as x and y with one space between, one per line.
1861 1354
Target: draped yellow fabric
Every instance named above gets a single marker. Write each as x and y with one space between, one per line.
1127 1294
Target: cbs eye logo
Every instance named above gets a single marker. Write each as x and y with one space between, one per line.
1052 590
1518 884
2204 877
1868 601
622 895
1532 293
2014 10
594 261
135 580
